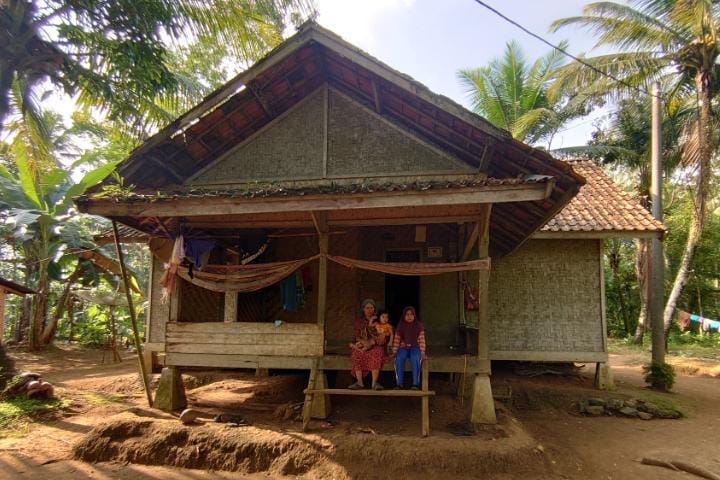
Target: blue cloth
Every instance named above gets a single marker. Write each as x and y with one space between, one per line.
288 293
198 250
412 353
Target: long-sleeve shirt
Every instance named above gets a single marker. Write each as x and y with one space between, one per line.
409 334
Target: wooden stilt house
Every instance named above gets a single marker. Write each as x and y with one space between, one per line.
321 162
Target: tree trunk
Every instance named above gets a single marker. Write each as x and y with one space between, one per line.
641 271
23 320
39 307
6 80
71 320
697 223
614 260
49 332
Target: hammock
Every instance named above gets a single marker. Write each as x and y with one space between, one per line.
253 277
242 278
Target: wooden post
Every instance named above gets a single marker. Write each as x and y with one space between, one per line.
425 400
307 407
2 315
231 301
482 409
323 245
656 302
133 319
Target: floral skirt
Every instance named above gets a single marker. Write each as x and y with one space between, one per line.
370 360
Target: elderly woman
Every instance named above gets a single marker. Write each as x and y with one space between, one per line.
367 348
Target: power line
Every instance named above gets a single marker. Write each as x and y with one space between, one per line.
565 52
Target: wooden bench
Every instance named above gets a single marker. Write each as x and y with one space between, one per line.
424 393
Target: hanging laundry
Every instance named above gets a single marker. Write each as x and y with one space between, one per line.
168 279
288 293
684 319
198 251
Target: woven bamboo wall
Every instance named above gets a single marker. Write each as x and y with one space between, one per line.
360 143
343 291
546 297
159 310
198 304
290 147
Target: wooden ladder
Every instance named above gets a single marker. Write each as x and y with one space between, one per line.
425 393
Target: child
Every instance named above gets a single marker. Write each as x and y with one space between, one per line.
409 343
384 328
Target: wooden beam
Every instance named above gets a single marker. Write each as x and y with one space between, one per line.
131 309
323 246
166 168
372 393
544 356
470 243
483 226
269 111
230 206
376 96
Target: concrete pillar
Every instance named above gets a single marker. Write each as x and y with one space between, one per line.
170 394
320 403
604 377
482 405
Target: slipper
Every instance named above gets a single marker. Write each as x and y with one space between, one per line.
377 386
356 386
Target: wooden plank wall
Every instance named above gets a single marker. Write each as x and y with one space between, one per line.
242 338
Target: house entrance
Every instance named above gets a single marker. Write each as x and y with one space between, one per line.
401 291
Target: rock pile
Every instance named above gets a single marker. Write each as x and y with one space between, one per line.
634 408
30 384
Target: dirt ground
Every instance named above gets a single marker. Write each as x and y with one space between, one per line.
540 434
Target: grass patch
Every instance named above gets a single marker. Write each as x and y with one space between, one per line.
17 412
663 401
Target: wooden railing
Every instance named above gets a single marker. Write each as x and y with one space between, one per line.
244 338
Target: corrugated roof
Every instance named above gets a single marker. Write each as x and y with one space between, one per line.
601 206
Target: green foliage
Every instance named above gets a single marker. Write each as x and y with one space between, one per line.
513 94
17 411
116 55
660 376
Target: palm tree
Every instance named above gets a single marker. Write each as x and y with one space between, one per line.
513 94
115 54
676 42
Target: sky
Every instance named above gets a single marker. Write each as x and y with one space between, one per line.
430 40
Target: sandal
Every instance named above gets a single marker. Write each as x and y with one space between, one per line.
356 386
377 386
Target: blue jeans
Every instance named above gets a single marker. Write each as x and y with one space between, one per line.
413 353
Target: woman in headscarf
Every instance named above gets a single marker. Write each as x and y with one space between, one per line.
367 348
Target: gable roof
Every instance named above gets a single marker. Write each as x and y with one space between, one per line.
601 208
314 57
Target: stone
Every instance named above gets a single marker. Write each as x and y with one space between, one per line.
170 393
482 407
614 404
596 402
595 410
645 416
604 377
629 411
582 406
188 416
632 403
648 407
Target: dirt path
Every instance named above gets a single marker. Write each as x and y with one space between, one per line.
573 446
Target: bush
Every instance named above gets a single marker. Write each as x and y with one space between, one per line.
660 376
